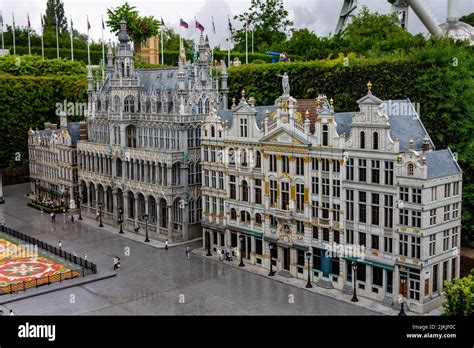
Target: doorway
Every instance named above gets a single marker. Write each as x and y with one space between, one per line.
286 259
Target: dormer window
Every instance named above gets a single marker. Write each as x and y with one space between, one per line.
362 140
243 128
410 169
325 135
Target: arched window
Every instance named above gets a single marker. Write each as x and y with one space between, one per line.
206 106
376 141
362 140
325 135
131 134
129 104
117 103
410 169
233 214
258 160
258 219
245 191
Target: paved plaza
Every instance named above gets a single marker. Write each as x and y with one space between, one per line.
153 281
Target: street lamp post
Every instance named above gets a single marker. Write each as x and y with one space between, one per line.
308 257
145 217
79 207
354 296
271 274
241 264
208 244
120 220
100 215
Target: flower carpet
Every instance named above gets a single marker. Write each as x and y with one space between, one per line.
22 267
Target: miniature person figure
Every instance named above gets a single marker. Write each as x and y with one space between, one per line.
188 252
60 245
72 218
11 312
285 82
115 263
166 244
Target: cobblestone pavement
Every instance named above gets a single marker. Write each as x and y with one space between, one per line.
153 280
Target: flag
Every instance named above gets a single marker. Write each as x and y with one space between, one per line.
29 24
1 22
213 25
199 26
103 25
162 22
57 21
183 23
42 24
230 25
88 24
72 27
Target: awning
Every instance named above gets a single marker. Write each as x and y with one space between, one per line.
252 233
370 263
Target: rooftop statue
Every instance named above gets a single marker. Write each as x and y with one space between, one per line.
285 82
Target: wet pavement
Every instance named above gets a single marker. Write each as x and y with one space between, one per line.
153 281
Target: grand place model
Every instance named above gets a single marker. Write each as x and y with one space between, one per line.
365 193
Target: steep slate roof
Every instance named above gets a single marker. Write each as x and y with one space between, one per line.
158 79
74 131
405 123
441 163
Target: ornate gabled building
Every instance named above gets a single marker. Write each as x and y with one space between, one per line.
143 149
365 189
53 161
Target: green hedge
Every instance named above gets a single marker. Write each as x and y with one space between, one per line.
64 53
36 66
29 101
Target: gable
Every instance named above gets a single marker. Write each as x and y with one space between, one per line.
285 136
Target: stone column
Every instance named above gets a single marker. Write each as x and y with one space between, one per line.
115 206
170 223
169 175
185 222
147 172
88 196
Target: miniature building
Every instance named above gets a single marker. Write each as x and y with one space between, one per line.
362 188
143 149
53 162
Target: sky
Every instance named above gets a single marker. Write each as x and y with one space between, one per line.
320 16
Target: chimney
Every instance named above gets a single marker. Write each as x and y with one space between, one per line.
63 120
426 144
82 131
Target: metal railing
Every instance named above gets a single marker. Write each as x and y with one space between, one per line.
85 265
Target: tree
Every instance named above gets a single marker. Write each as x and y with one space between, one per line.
270 23
171 41
459 295
139 28
55 8
469 19
375 33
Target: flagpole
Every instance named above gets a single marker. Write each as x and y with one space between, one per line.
162 53
3 41
57 37
88 47
228 44
14 44
246 44
252 40
72 41
29 40
103 47
42 34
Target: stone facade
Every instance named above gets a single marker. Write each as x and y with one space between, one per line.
362 188
53 162
143 149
